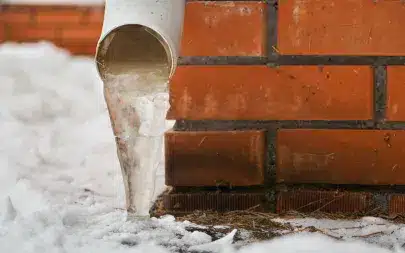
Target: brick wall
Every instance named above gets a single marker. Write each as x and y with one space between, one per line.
299 101
293 103
76 28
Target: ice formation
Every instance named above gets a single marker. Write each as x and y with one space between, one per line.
138 103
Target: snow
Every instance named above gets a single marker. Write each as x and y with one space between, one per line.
61 187
311 243
198 238
220 245
369 229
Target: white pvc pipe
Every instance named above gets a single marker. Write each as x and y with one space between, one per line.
136 56
162 18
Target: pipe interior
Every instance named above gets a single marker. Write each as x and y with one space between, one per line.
132 49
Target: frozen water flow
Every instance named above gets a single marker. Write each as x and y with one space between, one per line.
138 104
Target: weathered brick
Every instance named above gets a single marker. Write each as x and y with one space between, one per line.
2 33
24 33
72 27
214 158
336 27
95 15
81 34
395 93
263 93
12 16
361 157
218 202
224 29
396 205
79 48
307 201
59 15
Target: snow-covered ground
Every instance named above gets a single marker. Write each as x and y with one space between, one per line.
60 184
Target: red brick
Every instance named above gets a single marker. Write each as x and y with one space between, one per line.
59 15
219 202
308 201
336 27
95 16
23 33
2 33
263 93
395 93
215 157
396 205
80 48
224 29
16 17
81 34
361 157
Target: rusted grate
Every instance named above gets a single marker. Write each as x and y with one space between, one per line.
397 205
323 201
221 202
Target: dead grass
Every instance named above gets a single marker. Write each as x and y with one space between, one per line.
320 215
259 224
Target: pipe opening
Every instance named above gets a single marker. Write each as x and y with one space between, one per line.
134 49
